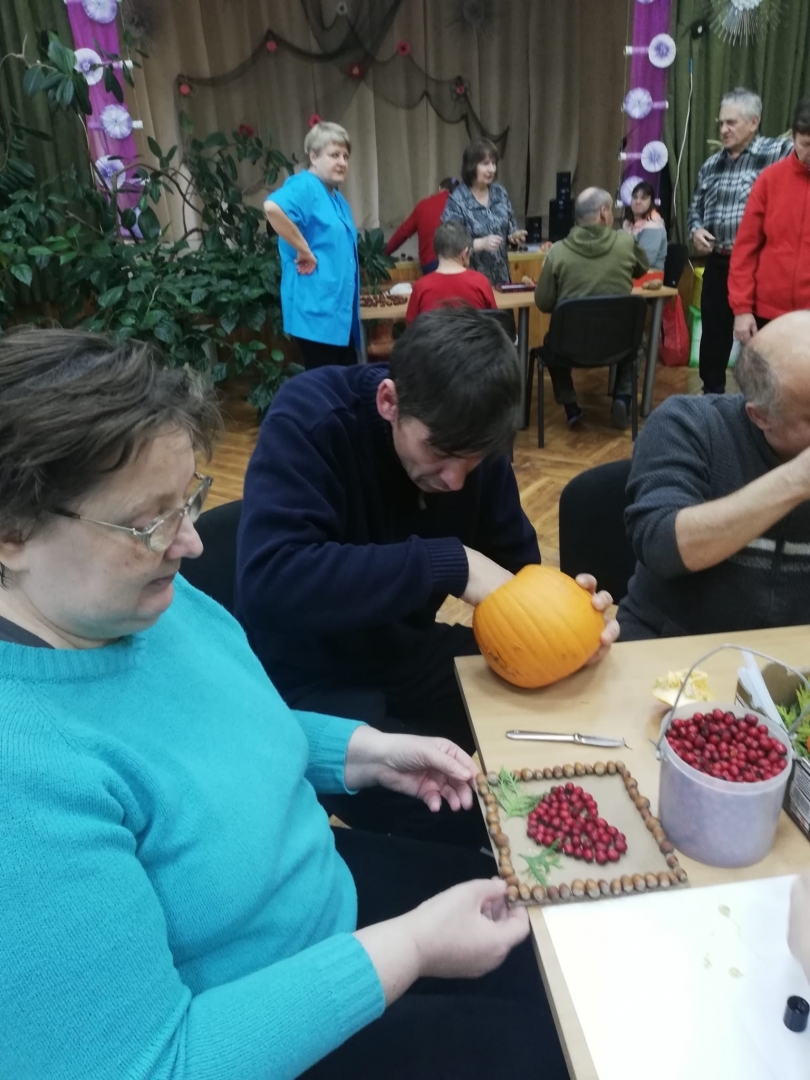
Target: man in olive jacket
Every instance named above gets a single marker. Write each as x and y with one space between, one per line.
593 260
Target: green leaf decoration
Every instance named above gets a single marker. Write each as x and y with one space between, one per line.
22 272
543 862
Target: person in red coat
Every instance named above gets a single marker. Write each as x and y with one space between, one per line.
452 283
424 221
769 273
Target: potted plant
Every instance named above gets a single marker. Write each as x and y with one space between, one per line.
374 266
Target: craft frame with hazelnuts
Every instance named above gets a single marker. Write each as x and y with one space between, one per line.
648 863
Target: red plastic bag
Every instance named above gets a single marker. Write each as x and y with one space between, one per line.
674 345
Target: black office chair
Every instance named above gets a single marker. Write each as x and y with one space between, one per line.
676 260
593 539
591 331
214 573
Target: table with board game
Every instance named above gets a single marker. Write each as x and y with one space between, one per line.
613 698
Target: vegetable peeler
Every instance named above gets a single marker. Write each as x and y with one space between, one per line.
554 736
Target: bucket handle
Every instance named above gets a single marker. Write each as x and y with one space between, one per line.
719 648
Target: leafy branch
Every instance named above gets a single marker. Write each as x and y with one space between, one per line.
541 864
512 801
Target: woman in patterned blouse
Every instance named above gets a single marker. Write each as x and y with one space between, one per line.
484 208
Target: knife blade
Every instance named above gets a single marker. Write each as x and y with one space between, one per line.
556 736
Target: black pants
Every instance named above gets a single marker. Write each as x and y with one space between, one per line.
315 354
562 382
718 325
421 697
499 1025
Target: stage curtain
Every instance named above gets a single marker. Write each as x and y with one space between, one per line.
20 20
552 71
777 66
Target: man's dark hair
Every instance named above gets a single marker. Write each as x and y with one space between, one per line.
75 407
450 239
801 118
456 370
450 183
474 153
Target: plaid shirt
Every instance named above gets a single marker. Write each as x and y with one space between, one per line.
723 186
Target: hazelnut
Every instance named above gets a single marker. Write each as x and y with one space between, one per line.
610 767
641 801
599 768
506 870
652 823
492 778
480 778
652 881
665 847
615 886
553 893
490 799
512 894
589 770
672 861
592 888
568 771
578 887
501 840
639 884
565 892
621 768
548 773
627 883
527 774
681 874
557 772
539 894
513 879
495 831
604 887
538 774
516 774
659 834
646 813
664 880
579 769
524 891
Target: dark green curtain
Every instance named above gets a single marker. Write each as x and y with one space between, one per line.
20 20
777 67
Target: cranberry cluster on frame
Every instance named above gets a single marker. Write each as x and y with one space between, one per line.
569 817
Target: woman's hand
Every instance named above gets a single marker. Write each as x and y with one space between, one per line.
430 769
518 236
305 262
600 601
799 928
488 243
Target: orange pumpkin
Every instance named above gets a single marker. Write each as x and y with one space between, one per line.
537 628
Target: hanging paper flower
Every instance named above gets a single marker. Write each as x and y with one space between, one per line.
662 51
116 122
645 1
246 130
88 62
355 71
638 103
184 89
626 192
111 170
342 8
271 45
404 48
654 156
461 89
100 11
314 119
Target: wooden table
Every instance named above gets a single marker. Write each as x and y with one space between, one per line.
613 698
522 302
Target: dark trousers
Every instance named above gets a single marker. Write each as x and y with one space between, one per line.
718 325
563 383
316 354
442 1028
428 268
422 698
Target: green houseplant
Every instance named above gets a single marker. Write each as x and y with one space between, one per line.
77 255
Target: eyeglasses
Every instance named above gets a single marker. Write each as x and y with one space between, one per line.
161 533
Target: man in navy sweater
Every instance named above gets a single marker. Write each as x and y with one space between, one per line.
372 495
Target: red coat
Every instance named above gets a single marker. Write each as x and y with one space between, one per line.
424 220
769 273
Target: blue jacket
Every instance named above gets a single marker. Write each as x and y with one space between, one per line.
342 563
325 305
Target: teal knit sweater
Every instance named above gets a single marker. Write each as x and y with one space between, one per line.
171 902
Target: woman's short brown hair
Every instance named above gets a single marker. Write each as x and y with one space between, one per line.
76 406
474 153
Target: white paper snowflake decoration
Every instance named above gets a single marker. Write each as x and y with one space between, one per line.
116 122
89 63
100 11
627 188
662 51
741 21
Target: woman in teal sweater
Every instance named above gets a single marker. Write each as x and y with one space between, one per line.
172 903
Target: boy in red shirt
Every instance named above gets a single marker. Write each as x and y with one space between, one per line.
452 283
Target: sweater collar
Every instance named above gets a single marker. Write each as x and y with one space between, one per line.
797 166
30 664
386 457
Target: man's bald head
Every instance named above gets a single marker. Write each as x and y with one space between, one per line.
776 363
590 206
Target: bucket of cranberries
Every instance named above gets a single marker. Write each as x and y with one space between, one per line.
724 772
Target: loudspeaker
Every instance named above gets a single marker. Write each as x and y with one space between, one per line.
560 219
563 186
534 230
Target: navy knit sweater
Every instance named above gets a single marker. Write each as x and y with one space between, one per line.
342 561
694 450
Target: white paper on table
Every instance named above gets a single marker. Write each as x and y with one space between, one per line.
688 984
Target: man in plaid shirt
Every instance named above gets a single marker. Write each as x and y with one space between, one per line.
723 186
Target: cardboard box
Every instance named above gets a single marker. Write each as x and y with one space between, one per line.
777 686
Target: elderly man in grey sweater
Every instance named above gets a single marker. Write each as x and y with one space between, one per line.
720 500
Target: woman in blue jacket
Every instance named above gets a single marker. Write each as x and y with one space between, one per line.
320 280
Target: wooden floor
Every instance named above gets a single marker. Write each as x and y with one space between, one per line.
541 474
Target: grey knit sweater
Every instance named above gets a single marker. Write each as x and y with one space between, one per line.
693 450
